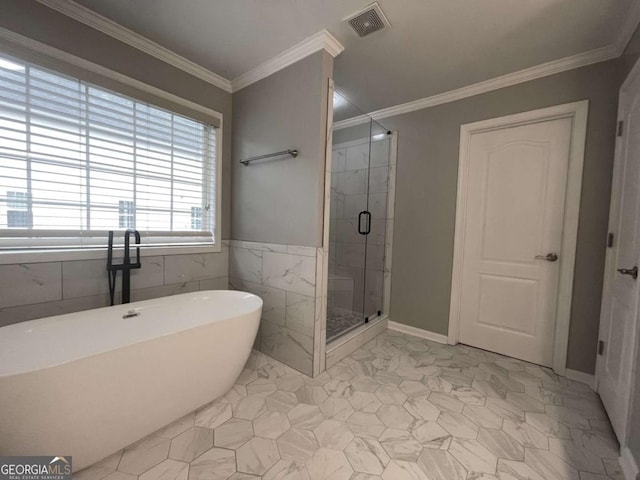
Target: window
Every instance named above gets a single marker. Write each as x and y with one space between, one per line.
196 218
125 214
18 210
76 158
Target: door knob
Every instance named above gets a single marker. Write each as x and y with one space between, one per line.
632 272
549 257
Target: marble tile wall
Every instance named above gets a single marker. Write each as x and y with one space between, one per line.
284 276
35 290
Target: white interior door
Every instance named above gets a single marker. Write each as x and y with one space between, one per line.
512 239
618 330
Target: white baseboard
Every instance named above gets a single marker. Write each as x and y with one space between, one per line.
581 377
628 464
418 332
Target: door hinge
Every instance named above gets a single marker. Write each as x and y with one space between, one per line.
610 240
620 128
600 347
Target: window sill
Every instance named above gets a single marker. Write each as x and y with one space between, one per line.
42 256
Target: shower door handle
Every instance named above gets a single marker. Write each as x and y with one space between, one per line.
360 230
367 225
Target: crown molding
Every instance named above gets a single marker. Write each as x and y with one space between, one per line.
515 78
109 27
539 71
322 40
16 39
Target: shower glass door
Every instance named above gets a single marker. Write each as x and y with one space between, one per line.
375 239
357 222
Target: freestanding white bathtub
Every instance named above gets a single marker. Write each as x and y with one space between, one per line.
90 383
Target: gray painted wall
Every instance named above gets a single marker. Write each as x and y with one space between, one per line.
281 200
428 145
34 20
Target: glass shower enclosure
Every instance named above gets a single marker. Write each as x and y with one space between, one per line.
358 219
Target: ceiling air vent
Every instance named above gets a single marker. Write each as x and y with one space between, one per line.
369 20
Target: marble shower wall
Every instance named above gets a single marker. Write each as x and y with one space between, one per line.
284 276
35 290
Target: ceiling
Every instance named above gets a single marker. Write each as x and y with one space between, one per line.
433 46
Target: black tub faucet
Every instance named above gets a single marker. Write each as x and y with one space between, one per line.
126 266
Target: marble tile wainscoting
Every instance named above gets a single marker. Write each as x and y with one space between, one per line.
284 276
35 290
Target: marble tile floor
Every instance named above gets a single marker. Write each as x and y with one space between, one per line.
399 408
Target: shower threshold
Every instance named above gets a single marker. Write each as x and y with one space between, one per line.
341 322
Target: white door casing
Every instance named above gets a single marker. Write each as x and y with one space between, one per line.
619 323
519 185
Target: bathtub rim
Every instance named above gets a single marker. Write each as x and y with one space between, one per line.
18 369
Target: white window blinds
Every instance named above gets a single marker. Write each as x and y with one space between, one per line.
78 160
